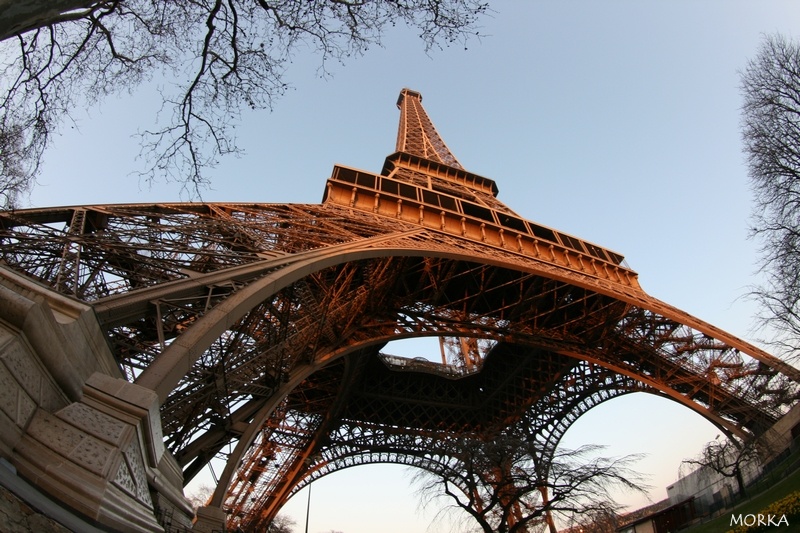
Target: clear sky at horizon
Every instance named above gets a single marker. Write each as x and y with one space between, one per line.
616 121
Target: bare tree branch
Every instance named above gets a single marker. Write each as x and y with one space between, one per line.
727 457
217 57
771 135
504 486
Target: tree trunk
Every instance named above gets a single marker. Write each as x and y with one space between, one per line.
20 16
740 482
548 516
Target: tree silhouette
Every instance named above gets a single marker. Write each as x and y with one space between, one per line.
215 57
726 457
771 135
504 485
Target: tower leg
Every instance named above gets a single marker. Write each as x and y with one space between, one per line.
71 427
209 520
103 457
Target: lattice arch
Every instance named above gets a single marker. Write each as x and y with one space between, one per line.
260 326
546 421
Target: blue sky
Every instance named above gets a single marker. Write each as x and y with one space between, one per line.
616 121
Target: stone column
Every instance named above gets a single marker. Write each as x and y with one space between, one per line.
96 455
70 425
210 520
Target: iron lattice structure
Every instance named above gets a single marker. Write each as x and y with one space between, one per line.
261 326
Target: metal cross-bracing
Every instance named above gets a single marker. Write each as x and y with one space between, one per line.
263 328
555 403
412 399
417 134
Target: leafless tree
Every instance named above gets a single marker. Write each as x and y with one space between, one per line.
215 57
504 486
200 496
15 182
281 524
600 521
726 457
771 135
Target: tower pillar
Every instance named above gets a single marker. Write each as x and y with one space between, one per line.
210 519
73 428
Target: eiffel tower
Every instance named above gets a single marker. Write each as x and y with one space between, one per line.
263 329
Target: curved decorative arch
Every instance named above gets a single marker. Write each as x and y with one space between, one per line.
544 421
262 323
164 374
615 325
547 420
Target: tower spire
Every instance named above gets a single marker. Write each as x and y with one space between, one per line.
417 135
